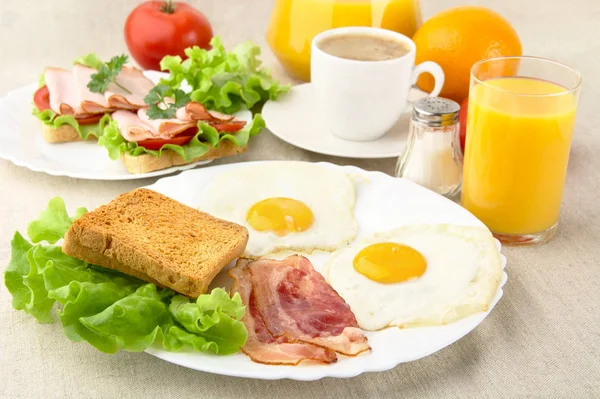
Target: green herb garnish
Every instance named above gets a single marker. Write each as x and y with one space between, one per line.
160 107
107 74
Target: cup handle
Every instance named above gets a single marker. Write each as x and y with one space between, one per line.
435 70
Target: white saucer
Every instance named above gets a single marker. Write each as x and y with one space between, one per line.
294 119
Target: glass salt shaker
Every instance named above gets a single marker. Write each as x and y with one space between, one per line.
432 157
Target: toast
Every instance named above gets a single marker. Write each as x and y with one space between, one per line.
157 239
148 163
62 134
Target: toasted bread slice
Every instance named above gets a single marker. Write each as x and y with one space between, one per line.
157 239
148 163
62 134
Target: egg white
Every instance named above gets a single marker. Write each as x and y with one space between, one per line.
328 192
463 273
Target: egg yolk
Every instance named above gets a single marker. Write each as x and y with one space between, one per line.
389 262
280 215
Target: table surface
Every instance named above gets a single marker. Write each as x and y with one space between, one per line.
542 340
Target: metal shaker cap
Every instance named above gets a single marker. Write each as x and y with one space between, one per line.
436 111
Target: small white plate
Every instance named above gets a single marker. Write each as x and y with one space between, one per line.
294 119
382 203
21 143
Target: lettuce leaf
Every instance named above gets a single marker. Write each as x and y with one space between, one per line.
221 80
50 118
53 222
206 138
110 310
90 60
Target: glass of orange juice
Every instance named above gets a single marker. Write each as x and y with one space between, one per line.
519 129
294 23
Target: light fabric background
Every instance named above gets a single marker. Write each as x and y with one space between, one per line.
541 341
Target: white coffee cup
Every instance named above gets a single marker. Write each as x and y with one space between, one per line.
362 100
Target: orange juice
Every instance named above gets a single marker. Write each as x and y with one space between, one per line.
294 23
518 139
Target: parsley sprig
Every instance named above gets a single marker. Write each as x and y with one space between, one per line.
164 101
107 74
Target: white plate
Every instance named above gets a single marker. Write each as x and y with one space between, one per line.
382 203
294 119
21 143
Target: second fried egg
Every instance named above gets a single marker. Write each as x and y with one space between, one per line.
286 205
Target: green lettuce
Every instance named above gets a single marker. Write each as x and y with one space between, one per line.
221 80
206 138
49 118
90 60
110 310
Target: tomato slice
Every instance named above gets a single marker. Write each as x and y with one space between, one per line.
180 139
41 98
229 127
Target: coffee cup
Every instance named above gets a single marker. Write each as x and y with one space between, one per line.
361 77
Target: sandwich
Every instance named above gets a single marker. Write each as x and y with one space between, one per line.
156 239
76 104
174 131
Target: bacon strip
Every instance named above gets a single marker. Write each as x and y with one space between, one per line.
297 303
260 345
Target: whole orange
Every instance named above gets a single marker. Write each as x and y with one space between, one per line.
458 38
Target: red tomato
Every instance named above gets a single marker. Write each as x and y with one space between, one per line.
158 28
462 119
41 99
229 127
180 139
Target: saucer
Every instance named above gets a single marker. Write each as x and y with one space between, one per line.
294 119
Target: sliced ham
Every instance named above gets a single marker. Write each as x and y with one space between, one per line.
69 94
297 303
136 83
165 127
261 346
90 102
64 97
132 128
197 112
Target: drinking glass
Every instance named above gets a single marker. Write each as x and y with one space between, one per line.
519 128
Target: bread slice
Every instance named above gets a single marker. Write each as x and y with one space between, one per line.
148 163
157 239
62 134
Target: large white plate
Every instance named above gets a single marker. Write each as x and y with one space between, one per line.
21 143
294 119
382 203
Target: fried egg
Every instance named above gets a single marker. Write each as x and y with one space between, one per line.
286 205
417 275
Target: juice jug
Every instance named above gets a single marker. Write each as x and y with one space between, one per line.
294 23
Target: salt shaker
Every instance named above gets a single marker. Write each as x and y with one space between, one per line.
432 157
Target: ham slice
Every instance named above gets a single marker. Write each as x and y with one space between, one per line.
69 94
261 346
295 302
138 85
132 128
166 127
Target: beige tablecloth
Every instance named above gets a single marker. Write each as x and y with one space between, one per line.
542 340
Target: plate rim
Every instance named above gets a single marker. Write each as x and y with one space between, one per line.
340 154
367 367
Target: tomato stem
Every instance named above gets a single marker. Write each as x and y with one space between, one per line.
168 7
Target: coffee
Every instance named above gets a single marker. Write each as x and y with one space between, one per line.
364 47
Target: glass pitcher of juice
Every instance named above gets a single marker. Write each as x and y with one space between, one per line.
294 23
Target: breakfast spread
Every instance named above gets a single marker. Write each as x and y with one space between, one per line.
313 281
125 272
